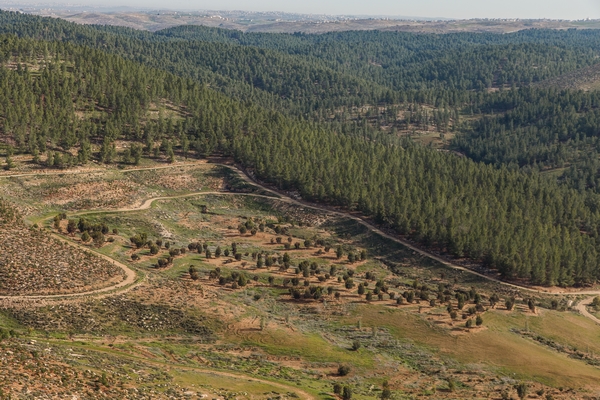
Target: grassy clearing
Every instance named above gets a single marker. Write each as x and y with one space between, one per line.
219 385
497 347
309 347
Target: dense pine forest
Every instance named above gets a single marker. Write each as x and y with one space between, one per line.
273 101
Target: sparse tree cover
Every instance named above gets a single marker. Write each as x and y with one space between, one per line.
479 320
347 393
522 390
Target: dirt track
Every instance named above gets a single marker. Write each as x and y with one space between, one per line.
293 389
125 285
131 275
582 308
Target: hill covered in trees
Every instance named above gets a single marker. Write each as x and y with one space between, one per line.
93 86
315 74
587 78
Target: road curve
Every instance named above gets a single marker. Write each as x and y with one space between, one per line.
582 308
125 285
130 274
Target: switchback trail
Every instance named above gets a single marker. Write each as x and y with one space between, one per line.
278 196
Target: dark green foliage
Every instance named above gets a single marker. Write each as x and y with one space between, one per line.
386 393
138 240
347 393
337 388
522 390
154 249
519 223
361 289
343 370
339 252
538 128
509 303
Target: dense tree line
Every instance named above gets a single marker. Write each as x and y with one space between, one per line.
537 128
65 96
57 96
414 61
315 74
274 80
544 126
523 225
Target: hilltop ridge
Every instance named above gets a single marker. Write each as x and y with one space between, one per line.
279 22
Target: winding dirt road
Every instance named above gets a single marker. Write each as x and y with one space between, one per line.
94 170
131 280
128 283
582 308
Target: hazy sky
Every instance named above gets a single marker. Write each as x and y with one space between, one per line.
560 9
557 9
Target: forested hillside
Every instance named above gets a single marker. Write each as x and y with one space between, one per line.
416 61
314 74
69 93
546 127
274 80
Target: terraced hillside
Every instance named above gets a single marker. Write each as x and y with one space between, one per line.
33 262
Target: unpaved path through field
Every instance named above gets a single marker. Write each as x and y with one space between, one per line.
582 308
288 388
94 170
147 204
